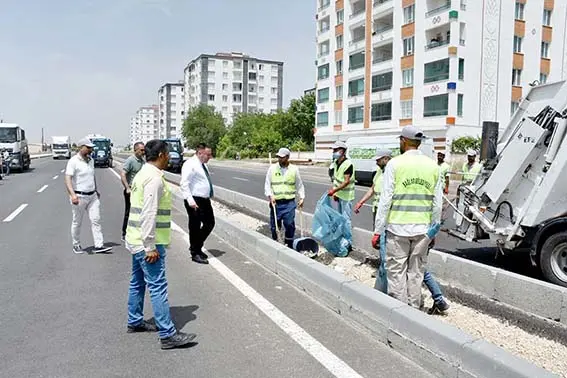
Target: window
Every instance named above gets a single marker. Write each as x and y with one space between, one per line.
322 119
461 69
355 114
225 75
409 14
407 109
519 11
324 48
338 117
381 112
224 98
323 71
324 25
225 63
514 106
340 16
382 82
339 67
516 77
237 87
339 91
546 17
339 41
324 4
356 61
237 98
274 91
252 76
225 87
460 105
211 97
356 87
407 78
435 106
408 46
518 44
323 95
436 71
542 78
545 50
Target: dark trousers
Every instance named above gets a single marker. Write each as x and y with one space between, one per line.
285 210
126 212
201 223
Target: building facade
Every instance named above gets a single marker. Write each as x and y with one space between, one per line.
171 100
234 83
144 125
442 65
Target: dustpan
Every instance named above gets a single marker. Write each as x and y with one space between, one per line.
305 245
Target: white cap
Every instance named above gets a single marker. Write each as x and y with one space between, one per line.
471 153
283 152
382 153
412 133
85 142
339 144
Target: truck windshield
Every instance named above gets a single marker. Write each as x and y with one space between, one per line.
60 146
174 146
8 134
101 144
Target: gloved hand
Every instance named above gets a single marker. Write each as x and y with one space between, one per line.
376 241
331 192
357 207
433 230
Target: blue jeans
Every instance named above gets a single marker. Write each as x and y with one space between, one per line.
345 208
153 275
433 286
286 215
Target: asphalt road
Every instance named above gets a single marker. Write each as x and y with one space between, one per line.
64 315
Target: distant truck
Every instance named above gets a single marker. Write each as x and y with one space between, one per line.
61 147
13 139
102 151
175 154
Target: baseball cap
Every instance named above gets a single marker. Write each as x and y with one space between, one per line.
339 144
283 152
85 142
471 153
413 133
382 153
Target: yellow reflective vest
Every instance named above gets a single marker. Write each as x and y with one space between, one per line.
283 185
378 180
469 174
346 194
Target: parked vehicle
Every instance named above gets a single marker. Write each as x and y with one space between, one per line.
61 147
102 151
13 139
175 154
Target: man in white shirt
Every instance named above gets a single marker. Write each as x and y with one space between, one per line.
81 186
197 190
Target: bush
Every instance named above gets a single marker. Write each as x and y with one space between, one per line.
462 144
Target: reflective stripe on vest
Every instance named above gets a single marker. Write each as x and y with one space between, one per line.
163 213
416 177
470 174
346 194
378 180
283 186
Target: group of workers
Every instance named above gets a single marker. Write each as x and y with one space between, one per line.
407 192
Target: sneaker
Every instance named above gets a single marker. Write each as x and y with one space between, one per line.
178 340
77 249
439 307
145 326
101 249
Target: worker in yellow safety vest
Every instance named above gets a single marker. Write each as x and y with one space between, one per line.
410 204
382 158
283 184
445 175
471 168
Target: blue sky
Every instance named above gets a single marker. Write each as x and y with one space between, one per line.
84 66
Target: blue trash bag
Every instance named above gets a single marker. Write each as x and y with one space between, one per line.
381 276
331 228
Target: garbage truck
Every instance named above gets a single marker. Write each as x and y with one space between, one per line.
61 147
102 151
519 199
13 139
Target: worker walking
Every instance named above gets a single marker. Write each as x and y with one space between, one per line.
444 171
382 158
283 184
147 235
131 167
409 205
471 168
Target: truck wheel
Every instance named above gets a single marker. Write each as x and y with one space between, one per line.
553 258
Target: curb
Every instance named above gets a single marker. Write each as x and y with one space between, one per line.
32 157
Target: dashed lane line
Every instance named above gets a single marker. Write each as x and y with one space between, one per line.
15 213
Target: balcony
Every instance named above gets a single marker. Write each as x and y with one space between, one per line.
435 7
437 37
383 29
382 54
358 35
323 5
358 9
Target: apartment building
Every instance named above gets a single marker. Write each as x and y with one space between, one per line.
442 65
234 83
144 125
171 100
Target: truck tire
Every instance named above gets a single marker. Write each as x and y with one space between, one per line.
553 258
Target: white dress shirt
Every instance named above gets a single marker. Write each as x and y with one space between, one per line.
299 188
385 204
194 181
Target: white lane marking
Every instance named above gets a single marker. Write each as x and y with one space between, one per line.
55 177
240 179
15 213
331 362
62 170
42 188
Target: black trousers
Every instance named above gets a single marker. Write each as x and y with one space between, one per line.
201 223
126 212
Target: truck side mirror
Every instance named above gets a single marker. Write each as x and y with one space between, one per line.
111 144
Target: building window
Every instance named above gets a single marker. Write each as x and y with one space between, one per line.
518 44
435 106
382 82
460 105
338 117
436 71
381 111
225 75
237 98
542 78
409 14
322 119
519 11
324 25
407 78
461 69
546 17
211 97
323 95
407 109
545 50
356 87
339 41
356 61
340 16
324 48
339 91
355 114
514 106
324 4
252 76
339 67
516 77
225 87
323 71
408 46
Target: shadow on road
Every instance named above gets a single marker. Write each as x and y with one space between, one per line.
216 252
181 315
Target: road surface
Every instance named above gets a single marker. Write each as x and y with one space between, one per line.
64 315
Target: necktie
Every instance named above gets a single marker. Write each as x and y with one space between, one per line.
211 191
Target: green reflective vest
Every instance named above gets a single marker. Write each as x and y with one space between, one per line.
469 174
378 180
415 179
283 186
444 169
163 217
347 194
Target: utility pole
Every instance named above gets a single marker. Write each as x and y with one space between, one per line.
42 144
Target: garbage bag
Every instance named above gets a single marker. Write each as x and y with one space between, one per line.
331 228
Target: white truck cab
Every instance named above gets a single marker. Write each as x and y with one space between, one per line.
61 147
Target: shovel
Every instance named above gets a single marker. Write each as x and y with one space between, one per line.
278 231
305 245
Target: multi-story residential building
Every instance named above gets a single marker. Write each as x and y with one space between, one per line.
171 99
234 83
442 65
144 125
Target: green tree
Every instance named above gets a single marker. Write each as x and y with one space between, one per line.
301 120
462 144
204 125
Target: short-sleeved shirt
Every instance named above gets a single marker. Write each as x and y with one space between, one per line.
131 167
82 173
348 171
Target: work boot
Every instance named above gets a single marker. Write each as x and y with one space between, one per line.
439 307
178 340
145 326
